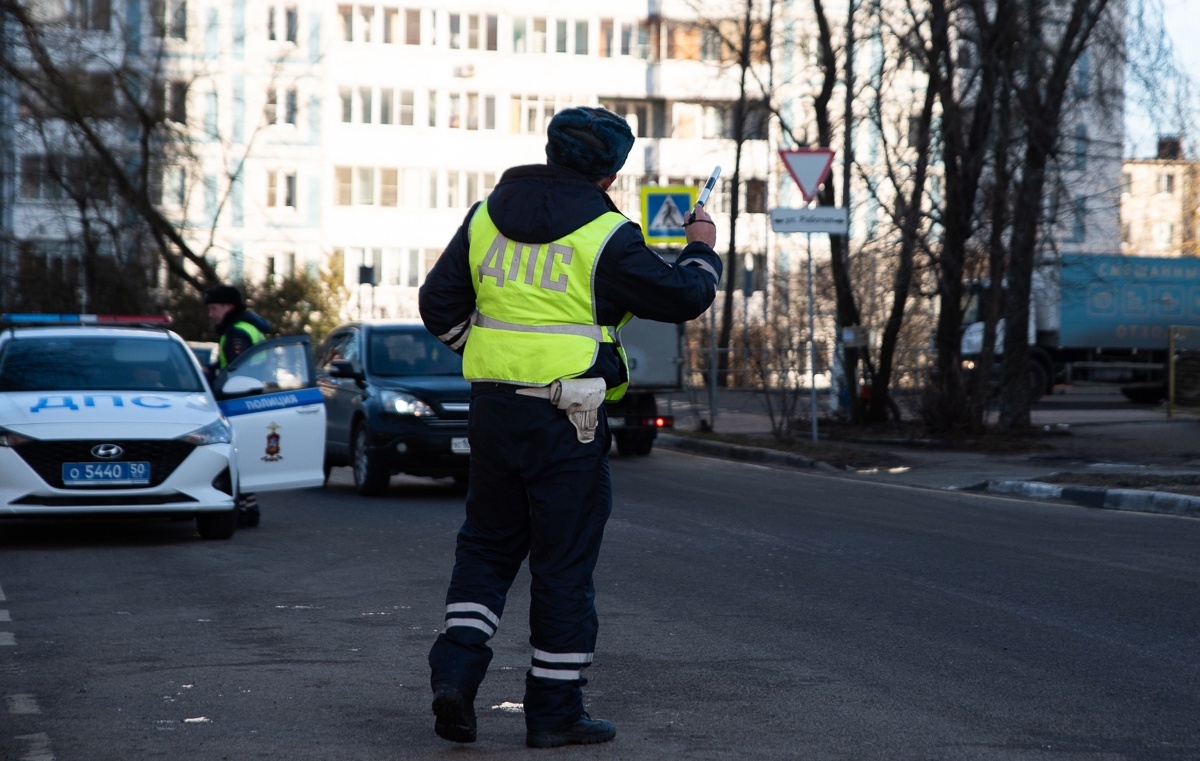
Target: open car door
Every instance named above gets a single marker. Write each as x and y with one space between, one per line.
270 396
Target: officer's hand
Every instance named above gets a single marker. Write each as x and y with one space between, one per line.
699 227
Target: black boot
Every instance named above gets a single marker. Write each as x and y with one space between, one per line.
586 731
455 714
248 515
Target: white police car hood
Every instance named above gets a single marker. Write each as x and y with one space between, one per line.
106 414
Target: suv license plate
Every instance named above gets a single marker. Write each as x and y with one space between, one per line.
460 445
106 473
616 422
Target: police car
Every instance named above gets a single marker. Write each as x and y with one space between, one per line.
105 415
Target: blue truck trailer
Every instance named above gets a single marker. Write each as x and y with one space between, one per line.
1102 318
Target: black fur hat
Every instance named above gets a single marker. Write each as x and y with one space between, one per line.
224 294
592 141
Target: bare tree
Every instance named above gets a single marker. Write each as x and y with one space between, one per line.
1052 44
114 99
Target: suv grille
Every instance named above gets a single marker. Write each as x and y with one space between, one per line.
46 458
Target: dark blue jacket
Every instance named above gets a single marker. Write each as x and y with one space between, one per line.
542 203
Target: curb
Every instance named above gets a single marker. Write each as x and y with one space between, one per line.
741 453
1131 500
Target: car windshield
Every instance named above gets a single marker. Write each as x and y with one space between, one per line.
97 363
410 352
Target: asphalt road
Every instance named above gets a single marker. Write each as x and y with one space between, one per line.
746 613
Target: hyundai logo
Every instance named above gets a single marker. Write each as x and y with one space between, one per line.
107 451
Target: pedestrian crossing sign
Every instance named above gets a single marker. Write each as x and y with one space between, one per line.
663 211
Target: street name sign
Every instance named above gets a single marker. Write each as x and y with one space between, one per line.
816 219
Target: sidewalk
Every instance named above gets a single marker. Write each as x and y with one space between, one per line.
1092 432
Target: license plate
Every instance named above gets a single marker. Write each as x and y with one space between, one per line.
616 422
460 445
106 473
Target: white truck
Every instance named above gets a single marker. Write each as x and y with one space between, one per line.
1102 318
655 351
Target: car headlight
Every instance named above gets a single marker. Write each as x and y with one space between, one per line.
405 404
10 439
216 432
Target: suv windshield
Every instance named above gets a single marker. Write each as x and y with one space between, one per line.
410 352
97 363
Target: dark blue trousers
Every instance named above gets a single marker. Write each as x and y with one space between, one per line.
535 491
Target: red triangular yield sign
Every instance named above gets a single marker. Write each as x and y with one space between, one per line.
808 167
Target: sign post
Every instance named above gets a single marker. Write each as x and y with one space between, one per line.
809 167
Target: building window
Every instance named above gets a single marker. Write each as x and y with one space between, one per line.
93 15
170 18
175 106
173 190
560 36
406 108
347 98
1166 182
1083 74
389 193
365 105
41 177
343 185
455 31
1126 182
1163 233
537 39
492 40
581 38
281 266
386 101
391 21
519 41
1079 222
1081 147
473 31
281 189
412 27
647 118
287 115
364 186
756 196
366 20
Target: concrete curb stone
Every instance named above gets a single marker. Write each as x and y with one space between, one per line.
1133 500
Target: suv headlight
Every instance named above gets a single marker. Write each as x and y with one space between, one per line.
405 404
10 439
216 432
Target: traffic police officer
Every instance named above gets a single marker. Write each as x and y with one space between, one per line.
531 291
237 329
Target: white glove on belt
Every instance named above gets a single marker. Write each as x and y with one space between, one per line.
580 397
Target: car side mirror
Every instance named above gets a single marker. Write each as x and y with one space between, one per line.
241 385
343 368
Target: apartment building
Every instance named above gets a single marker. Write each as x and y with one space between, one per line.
360 133
1160 203
370 129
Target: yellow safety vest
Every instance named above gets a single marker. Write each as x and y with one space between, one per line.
535 321
256 336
